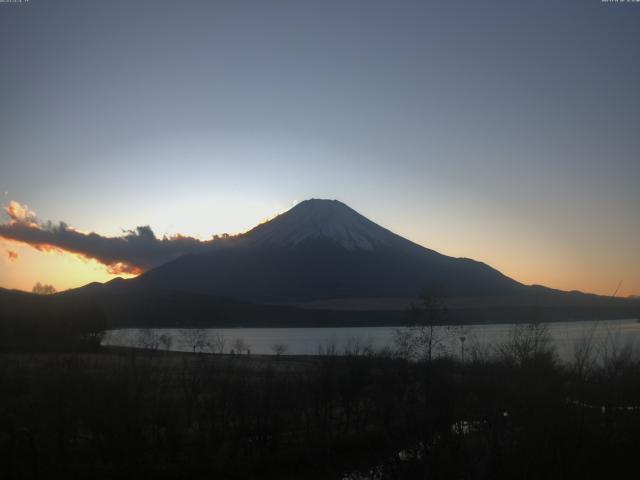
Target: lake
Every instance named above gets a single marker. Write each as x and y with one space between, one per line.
565 336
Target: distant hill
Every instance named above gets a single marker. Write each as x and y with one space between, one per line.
45 322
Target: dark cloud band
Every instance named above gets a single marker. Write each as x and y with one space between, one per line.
134 252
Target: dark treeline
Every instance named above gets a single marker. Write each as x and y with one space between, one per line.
514 412
179 309
46 322
164 309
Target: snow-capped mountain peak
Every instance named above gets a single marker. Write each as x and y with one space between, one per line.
323 219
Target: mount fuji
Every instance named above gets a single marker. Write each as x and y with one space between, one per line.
320 250
323 264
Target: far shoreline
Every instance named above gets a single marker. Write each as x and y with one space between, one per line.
257 324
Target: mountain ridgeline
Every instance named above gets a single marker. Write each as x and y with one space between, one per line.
323 264
322 249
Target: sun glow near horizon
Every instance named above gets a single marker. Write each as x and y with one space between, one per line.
61 269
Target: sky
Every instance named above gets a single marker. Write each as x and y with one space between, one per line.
501 131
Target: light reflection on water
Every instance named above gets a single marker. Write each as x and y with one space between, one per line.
310 341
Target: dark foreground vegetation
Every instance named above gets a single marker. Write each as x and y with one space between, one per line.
71 409
510 413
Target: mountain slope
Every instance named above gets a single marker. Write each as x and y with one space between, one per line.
322 249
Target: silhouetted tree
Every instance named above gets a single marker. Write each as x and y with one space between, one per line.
166 341
428 333
279 348
196 338
527 342
148 339
217 343
45 289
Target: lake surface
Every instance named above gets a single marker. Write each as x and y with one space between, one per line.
565 336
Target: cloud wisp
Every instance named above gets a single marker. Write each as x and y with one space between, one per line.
135 252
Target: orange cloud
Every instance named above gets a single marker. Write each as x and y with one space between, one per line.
46 248
123 269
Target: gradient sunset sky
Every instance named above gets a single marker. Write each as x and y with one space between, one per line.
504 131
